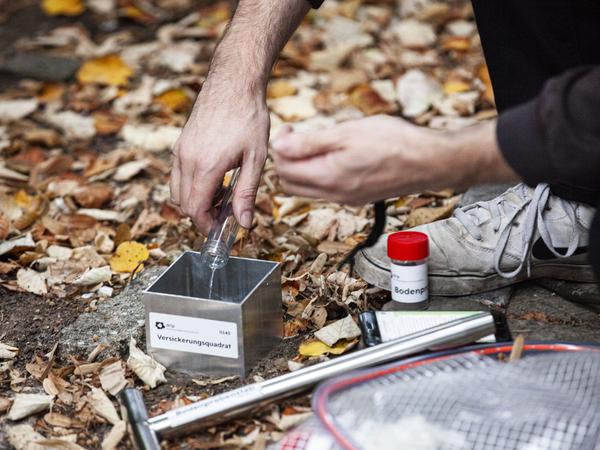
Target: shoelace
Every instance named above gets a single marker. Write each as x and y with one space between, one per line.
536 205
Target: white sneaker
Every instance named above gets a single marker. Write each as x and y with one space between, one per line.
522 234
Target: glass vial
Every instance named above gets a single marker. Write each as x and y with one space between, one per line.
408 252
224 229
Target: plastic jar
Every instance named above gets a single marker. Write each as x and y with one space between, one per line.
408 252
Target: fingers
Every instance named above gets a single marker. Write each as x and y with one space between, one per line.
244 195
202 191
305 145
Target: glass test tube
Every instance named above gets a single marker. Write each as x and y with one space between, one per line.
224 229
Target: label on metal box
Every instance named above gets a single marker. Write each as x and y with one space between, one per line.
194 335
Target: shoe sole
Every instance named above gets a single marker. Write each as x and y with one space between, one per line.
457 286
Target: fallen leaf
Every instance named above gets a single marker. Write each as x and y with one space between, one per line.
422 216
75 126
214 382
280 88
344 328
23 437
114 436
11 110
59 253
145 367
93 195
129 170
112 378
417 92
94 276
318 348
32 281
145 222
129 256
102 406
414 34
102 214
25 405
294 107
63 7
368 100
174 99
5 404
107 70
56 444
151 137
8 351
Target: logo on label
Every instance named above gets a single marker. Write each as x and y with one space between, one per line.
159 325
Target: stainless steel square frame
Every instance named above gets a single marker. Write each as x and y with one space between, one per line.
246 292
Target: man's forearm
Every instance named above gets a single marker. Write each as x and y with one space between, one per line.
256 34
471 156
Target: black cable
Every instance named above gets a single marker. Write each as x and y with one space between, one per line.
372 238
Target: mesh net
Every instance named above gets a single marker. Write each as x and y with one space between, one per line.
546 402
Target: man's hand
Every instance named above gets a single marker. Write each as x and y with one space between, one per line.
230 123
371 159
219 137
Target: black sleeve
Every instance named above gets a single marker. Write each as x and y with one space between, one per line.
315 3
555 138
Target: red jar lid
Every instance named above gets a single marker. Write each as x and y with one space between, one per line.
408 246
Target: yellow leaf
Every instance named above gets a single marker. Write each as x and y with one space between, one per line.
484 76
63 7
318 348
23 199
108 70
174 99
129 256
454 86
280 88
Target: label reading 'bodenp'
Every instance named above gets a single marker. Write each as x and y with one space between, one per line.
190 334
409 283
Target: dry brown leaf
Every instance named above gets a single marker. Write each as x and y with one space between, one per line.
146 221
93 195
25 405
175 100
8 351
112 378
422 216
23 437
102 406
5 404
344 328
32 281
368 100
17 245
417 92
145 367
11 110
94 276
281 88
114 436
129 170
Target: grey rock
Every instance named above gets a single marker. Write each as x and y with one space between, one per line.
40 66
483 193
115 321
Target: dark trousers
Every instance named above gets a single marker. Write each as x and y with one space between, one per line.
526 42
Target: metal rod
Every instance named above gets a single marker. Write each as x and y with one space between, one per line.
223 406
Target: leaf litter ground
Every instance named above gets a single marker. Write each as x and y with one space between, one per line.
84 187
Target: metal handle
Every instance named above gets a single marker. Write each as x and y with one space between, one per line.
207 412
142 436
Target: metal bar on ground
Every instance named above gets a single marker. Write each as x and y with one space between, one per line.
199 415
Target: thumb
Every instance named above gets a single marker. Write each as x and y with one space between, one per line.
244 195
305 145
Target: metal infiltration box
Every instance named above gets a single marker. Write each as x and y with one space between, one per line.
225 330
